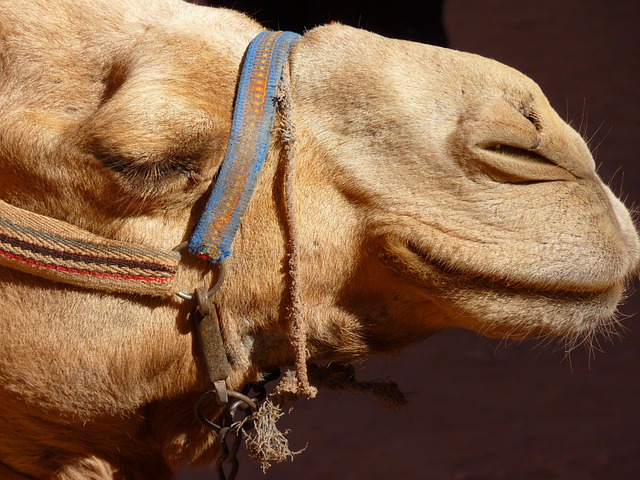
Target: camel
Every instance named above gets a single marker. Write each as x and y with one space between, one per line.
407 189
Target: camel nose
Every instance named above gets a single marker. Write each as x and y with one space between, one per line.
512 145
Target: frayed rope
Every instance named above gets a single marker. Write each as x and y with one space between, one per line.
266 443
298 326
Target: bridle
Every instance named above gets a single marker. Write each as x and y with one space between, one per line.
59 251
55 250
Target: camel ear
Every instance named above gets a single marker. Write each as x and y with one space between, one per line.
151 136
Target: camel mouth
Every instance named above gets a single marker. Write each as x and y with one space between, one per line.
417 261
504 308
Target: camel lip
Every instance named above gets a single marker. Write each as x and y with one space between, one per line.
474 295
439 273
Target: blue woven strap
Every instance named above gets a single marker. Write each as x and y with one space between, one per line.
253 118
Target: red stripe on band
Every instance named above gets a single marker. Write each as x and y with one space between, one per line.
139 278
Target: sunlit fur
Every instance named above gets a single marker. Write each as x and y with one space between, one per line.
432 189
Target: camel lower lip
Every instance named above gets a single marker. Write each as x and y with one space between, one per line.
499 308
455 275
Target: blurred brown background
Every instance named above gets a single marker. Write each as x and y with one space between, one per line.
480 409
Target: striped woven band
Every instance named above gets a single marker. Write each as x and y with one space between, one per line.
58 251
253 118
61 252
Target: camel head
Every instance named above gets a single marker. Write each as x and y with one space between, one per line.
472 204
428 188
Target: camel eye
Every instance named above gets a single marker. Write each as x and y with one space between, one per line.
146 170
153 144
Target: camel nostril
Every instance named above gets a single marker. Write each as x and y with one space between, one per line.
519 153
508 163
532 117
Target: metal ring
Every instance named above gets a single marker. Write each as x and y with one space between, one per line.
197 410
212 290
240 398
180 247
184 296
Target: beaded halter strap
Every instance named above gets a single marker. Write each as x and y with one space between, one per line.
253 118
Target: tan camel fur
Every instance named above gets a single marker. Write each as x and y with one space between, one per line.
432 189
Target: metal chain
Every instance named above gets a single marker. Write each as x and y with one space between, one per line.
231 429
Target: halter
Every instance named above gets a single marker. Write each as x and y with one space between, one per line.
253 117
58 251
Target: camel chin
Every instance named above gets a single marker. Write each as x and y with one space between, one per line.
498 308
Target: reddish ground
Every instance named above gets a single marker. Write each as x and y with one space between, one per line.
479 409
